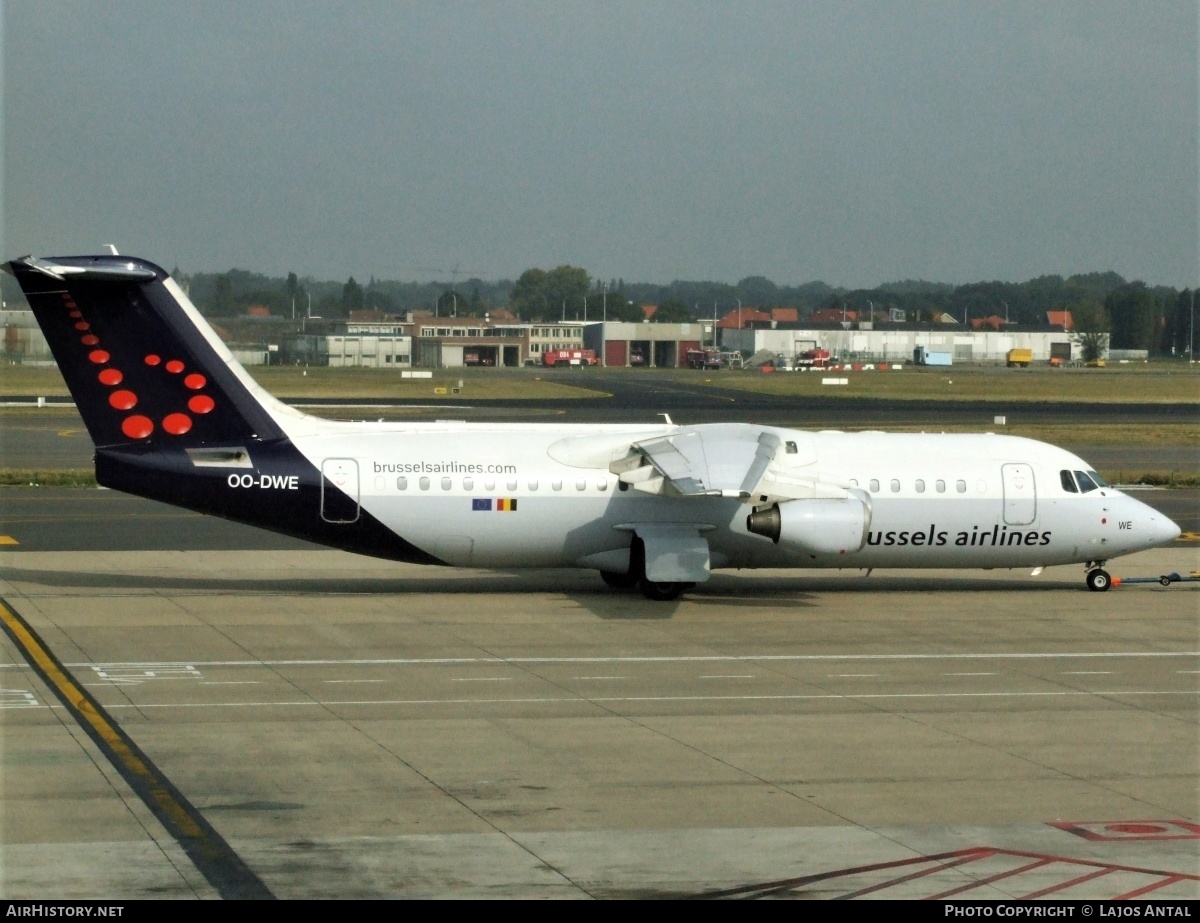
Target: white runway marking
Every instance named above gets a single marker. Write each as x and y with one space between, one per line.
662 699
713 658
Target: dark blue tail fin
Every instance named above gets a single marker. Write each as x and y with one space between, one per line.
142 365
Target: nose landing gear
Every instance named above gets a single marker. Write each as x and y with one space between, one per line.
1097 577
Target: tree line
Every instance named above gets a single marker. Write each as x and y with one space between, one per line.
1138 316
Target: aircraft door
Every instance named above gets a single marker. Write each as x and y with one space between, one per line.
339 490
1020 494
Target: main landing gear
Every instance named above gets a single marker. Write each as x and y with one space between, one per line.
659 592
1097 577
636 577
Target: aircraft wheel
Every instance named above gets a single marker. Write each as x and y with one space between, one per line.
618 580
663 592
1098 580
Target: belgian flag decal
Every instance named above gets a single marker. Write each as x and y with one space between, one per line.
500 505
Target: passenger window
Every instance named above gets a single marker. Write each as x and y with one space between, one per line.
853 482
1068 482
424 483
895 485
556 485
1085 483
489 484
533 485
468 483
920 486
940 486
960 486
402 483
581 484
446 484
512 483
874 486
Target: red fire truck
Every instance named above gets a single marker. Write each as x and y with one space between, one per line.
564 357
703 358
813 359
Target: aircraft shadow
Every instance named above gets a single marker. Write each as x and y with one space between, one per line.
589 592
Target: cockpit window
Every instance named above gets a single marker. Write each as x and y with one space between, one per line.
1085 482
1100 482
1068 481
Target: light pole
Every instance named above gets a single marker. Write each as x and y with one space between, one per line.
604 327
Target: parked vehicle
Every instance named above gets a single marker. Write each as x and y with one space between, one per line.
708 358
560 358
923 356
1019 358
813 359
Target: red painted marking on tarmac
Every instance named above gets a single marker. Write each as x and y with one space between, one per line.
933 870
1138 892
1137 828
1074 872
1123 831
999 876
1069 883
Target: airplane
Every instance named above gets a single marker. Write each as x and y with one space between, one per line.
175 418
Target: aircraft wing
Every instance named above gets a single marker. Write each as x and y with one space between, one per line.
752 464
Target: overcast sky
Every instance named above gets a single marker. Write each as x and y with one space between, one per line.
855 143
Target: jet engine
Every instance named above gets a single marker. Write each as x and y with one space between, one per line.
814 526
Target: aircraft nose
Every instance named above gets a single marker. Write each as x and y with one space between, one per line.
1167 529
1159 528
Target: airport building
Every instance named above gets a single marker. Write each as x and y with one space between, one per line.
621 343
896 342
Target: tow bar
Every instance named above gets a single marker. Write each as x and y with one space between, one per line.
1165 579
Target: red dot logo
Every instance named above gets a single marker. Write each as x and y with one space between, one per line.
111 377
75 314
152 360
201 403
195 382
137 427
177 423
89 339
174 366
123 400
82 325
99 356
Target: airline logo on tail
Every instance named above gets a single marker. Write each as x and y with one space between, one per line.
135 424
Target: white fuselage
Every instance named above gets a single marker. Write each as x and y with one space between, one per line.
478 495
